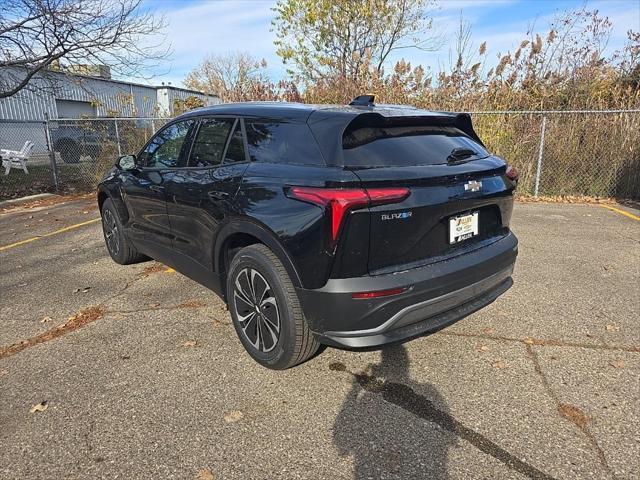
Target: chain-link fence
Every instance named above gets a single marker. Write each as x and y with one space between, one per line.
66 155
593 153
583 153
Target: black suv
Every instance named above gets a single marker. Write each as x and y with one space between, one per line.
351 226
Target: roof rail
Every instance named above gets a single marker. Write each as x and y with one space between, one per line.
363 101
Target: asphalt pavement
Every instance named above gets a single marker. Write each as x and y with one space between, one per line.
136 372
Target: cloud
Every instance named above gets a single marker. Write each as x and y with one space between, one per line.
199 28
202 28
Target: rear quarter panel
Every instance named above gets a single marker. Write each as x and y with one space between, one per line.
299 226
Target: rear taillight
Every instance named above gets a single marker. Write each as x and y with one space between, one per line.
338 201
512 173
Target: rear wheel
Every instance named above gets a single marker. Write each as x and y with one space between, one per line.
118 245
266 311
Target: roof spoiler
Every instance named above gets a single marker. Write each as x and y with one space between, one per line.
363 101
463 122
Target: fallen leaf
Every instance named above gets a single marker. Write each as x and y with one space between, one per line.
573 414
190 343
154 305
39 407
487 330
498 364
482 348
233 416
529 341
46 320
205 474
617 363
612 327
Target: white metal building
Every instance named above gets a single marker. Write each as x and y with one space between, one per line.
64 95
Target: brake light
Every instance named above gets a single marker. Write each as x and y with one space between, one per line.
340 200
512 173
379 293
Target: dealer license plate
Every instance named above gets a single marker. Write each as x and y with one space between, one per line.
463 227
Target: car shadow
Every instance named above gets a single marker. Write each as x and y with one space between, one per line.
377 428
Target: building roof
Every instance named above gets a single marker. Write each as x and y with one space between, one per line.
124 82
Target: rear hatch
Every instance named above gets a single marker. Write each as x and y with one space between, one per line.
460 198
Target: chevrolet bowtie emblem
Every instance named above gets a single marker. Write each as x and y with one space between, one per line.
472 186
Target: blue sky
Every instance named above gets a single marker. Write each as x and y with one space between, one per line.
197 28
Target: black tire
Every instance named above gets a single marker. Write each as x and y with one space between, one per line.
295 342
69 150
118 245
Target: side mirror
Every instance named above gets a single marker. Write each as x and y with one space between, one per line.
127 162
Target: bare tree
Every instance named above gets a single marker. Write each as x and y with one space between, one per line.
38 35
234 77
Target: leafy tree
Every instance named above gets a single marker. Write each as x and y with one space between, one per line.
349 39
180 106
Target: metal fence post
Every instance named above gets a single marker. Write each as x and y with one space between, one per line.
118 137
52 153
540 156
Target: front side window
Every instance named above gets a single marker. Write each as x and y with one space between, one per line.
164 149
281 142
209 143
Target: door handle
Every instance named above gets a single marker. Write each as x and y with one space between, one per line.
218 195
157 188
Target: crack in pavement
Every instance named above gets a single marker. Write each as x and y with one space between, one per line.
541 342
406 398
569 412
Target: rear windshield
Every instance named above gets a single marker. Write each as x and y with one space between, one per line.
406 145
280 142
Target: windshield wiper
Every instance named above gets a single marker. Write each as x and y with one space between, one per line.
459 154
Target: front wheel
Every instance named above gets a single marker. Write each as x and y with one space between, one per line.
266 311
118 245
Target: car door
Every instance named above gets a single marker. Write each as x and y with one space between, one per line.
200 196
144 188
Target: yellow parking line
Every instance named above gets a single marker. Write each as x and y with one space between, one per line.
169 270
622 212
62 230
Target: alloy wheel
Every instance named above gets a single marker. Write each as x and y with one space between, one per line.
111 231
256 309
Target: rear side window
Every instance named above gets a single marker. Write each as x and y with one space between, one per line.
209 143
235 150
405 145
281 142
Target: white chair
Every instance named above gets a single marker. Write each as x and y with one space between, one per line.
16 158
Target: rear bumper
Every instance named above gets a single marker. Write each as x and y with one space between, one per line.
437 295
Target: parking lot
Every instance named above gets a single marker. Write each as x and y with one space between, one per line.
136 372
